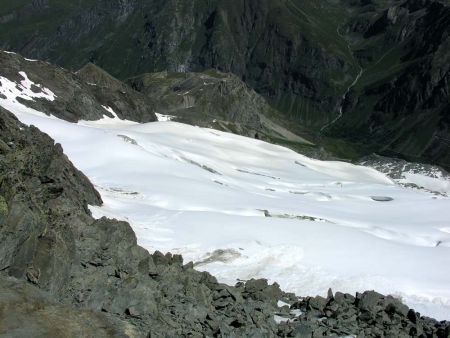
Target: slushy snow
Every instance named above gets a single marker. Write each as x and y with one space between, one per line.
242 208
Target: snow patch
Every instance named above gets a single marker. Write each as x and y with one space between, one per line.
11 92
110 110
164 118
25 89
112 122
280 303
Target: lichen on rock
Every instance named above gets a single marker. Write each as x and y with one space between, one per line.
3 208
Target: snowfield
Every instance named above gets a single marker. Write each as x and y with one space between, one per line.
243 208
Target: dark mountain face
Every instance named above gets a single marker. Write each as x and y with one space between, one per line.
387 58
289 51
401 102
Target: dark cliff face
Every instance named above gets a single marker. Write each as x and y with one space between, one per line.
401 103
302 56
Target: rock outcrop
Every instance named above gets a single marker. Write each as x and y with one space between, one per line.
75 96
367 314
215 100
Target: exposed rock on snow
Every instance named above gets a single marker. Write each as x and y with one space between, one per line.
70 96
382 198
413 175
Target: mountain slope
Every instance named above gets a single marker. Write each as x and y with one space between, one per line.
215 100
288 51
70 96
400 105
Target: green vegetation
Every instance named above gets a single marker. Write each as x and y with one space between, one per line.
321 21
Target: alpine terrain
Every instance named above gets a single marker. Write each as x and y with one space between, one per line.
242 168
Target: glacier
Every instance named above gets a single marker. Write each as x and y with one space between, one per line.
242 208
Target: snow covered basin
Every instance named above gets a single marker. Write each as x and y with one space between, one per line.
243 208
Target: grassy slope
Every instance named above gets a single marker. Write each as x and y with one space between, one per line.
319 21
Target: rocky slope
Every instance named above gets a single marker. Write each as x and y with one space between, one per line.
215 100
57 262
414 175
74 96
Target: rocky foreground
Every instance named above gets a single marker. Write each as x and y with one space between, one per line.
65 274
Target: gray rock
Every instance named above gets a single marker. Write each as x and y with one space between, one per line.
382 198
215 100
